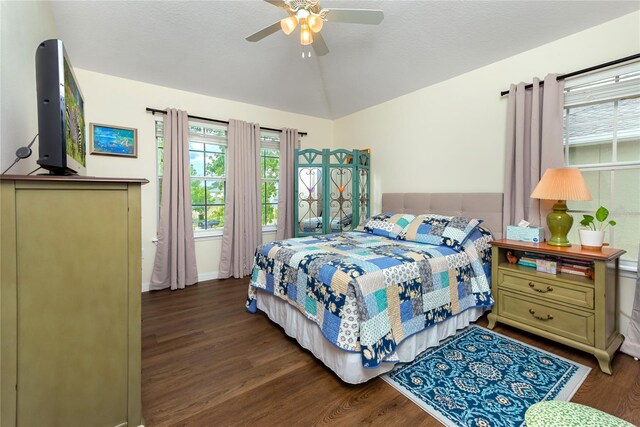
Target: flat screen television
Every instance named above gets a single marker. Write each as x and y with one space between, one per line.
61 127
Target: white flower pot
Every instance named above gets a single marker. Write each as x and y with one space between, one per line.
591 239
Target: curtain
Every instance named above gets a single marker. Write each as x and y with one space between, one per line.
175 262
242 225
288 145
534 143
631 344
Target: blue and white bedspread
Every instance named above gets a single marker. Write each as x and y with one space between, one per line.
368 293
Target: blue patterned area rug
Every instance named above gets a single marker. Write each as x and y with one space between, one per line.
481 378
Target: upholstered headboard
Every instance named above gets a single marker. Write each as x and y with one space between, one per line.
485 206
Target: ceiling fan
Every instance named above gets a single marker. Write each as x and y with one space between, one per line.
311 18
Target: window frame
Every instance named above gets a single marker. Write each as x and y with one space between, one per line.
209 140
201 138
268 140
626 264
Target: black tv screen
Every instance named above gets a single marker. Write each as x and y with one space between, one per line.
61 127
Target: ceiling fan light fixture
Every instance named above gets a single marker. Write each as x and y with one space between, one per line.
289 24
302 14
315 23
306 36
310 16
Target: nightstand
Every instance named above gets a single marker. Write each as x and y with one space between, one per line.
574 310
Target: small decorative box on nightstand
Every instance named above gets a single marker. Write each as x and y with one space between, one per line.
575 310
525 234
547 266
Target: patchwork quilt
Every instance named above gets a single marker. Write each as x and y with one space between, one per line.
367 293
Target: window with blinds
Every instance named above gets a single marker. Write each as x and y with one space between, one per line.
602 138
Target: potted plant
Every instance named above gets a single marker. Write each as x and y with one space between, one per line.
592 235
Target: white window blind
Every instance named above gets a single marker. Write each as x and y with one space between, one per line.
617 83
602 138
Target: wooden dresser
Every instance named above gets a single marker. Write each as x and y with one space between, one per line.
70 301
573 310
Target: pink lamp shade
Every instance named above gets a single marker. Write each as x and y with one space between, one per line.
562 184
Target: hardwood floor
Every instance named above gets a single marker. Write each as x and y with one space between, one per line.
206 362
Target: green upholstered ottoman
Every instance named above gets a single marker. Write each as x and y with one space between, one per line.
566 414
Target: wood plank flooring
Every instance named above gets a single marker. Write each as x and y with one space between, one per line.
207 362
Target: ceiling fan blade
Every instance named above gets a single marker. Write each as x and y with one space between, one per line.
255 37
276 3
355 16
319 45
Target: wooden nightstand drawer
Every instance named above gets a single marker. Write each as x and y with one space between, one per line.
572 309
564 321
550 290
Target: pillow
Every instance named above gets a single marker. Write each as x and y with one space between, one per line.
346 220
386 224
451 231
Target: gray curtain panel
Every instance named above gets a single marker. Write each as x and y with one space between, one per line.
175 262
534 143
288 145
242 225
631 344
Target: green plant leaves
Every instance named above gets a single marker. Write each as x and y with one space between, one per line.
587 222
602 213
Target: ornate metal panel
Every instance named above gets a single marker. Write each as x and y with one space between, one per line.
364 173
341 190
332 190
308 187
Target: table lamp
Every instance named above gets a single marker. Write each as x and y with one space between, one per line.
561 184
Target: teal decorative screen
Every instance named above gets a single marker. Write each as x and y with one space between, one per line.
331 190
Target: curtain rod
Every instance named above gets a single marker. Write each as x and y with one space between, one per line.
222 122
583 71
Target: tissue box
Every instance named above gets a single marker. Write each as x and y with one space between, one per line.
531 234
547 266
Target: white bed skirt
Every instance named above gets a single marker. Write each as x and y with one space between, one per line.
348 366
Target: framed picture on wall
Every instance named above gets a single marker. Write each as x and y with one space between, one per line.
113 140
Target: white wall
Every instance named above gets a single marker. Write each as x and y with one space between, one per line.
458 126
451 136
117 101
24 25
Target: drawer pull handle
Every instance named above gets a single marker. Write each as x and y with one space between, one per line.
543 291
533 313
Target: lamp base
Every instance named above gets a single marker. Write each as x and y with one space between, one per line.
559 222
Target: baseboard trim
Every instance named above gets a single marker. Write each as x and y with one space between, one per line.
628 272
212 275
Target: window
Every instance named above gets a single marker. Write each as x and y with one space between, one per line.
269 174
208 165
602 138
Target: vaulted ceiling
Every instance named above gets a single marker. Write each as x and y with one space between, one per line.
200 46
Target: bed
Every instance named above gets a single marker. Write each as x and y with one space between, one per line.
362 302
